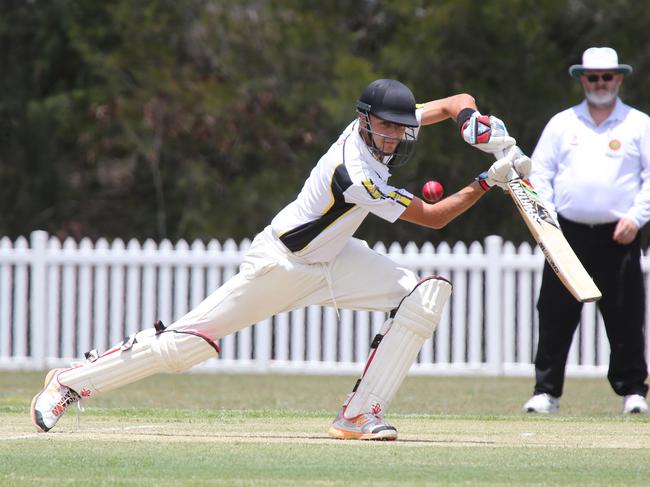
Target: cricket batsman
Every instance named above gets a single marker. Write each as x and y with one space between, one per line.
308 255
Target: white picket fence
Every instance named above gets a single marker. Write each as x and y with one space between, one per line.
58 300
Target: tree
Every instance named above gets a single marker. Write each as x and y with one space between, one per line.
201 118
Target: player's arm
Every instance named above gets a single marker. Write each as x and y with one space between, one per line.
485 132
437 215
513 165
438 110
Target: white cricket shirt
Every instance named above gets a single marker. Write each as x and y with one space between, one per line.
345 185
595 174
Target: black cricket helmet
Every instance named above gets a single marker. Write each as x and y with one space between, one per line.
394 102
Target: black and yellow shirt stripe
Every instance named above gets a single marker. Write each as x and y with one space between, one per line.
298 238
376 194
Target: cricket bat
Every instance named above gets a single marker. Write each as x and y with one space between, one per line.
550 239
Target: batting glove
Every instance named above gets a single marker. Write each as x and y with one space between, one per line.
513 166
487 133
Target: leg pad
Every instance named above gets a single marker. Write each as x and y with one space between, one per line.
414 322
147 353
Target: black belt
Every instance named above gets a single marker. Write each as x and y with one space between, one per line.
604 229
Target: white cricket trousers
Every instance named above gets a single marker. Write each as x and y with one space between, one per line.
272 280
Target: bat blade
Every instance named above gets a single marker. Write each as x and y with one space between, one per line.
551 241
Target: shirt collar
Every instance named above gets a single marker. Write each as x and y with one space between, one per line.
617 115
366 155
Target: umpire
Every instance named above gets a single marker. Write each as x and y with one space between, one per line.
592 163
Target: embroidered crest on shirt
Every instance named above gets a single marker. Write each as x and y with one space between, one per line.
614 144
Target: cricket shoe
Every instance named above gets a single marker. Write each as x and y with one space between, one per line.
362 427
51 402
634 404
542 403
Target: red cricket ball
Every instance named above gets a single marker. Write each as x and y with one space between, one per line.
432 191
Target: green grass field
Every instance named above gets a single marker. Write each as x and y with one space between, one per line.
241 430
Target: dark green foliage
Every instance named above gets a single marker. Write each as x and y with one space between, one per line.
200 119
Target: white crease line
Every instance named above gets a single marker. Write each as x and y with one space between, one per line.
89 430
126 428
20 437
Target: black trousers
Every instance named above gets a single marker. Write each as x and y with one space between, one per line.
616 270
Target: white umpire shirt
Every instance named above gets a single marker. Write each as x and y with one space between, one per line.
345 186
592 173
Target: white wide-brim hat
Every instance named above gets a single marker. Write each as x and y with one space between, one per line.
604 58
